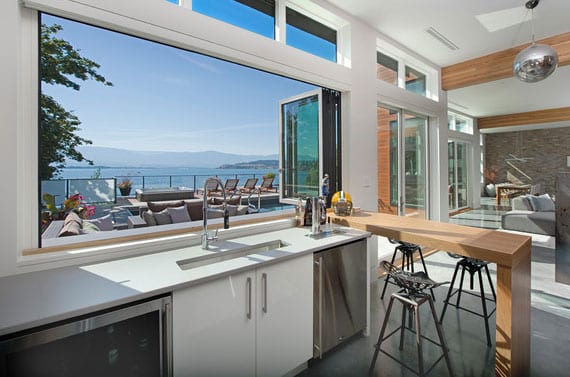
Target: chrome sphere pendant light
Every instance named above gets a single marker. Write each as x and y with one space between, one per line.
537 61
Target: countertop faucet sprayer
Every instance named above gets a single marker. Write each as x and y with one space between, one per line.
206 237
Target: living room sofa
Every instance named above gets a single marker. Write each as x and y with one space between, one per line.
531 214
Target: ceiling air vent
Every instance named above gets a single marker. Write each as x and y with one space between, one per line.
440 37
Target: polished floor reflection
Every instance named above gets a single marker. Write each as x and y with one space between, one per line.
465 332
488 215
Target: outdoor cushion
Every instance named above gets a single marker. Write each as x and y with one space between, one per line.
178 214
162 217
89 227
194 209
235 200
71 228
148 218
103 223
159 206
73 217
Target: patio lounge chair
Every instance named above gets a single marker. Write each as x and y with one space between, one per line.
231 185
212 186
249 185
267 184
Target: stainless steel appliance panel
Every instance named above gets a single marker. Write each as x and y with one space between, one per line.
339 295
127 341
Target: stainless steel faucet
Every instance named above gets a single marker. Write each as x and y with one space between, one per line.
206 237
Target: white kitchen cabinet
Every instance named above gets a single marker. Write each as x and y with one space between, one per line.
215 333
212 334
284 316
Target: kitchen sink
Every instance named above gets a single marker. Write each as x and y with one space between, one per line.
223 255
326 233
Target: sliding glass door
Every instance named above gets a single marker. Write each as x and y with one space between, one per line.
458 186
402 162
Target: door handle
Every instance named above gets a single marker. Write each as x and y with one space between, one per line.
248 303
264 288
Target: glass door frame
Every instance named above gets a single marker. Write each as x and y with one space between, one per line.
468 173
401 153
311 93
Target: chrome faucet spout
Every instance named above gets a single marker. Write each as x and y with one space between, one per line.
206 237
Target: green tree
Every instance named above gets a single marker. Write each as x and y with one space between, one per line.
61 64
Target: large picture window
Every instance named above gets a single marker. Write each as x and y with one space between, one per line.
125 122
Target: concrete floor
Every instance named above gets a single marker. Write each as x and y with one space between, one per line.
465 332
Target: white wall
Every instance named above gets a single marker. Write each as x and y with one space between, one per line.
163 22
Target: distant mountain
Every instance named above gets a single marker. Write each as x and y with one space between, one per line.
114 157
258 164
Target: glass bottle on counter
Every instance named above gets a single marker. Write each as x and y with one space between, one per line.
308 218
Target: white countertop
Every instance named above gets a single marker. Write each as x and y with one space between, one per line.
39 298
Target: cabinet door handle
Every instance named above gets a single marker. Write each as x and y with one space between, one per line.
264 287
248 303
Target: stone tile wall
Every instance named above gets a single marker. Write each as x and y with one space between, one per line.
544 153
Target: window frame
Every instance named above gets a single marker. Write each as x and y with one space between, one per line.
159 22
405 60
452 122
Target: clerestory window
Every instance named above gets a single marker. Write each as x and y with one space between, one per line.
311 36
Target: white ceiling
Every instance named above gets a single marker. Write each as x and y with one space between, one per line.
406 21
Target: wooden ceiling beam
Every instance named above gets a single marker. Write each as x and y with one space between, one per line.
521 119
498 65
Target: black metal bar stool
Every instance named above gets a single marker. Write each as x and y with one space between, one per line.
407 249
472 266
411 296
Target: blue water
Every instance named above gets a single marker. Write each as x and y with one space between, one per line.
167 177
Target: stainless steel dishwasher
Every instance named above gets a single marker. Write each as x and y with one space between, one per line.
339 295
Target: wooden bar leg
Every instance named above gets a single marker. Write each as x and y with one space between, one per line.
513 317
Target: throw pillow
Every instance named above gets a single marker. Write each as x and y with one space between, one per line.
148 218
89 227
194 207
162 217
104 223
73 217
235 200
178 214
542 203
72 228
216 214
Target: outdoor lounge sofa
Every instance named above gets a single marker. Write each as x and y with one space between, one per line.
172 212
531 214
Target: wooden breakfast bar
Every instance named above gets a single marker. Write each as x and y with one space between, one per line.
511 253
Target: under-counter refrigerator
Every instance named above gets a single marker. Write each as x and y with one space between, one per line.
339 295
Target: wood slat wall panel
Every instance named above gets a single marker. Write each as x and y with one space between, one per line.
521 119
498 65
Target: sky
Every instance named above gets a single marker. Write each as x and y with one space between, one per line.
168 99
